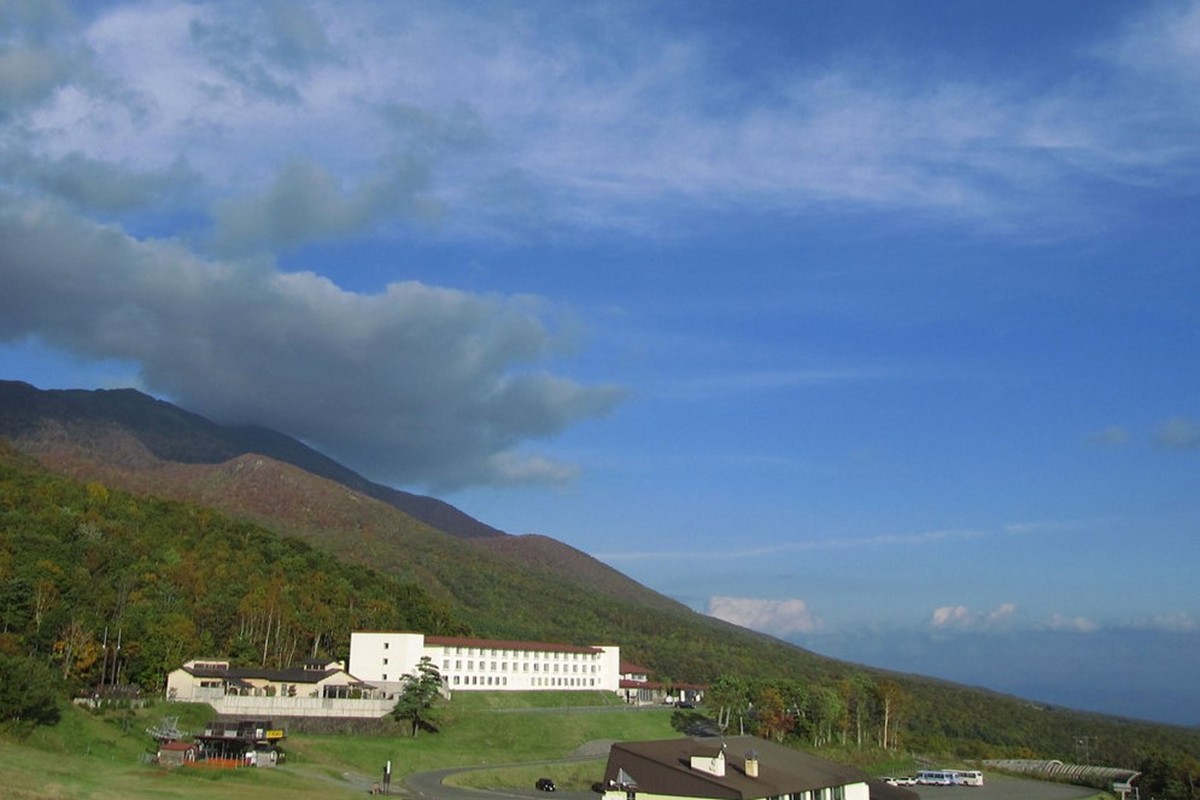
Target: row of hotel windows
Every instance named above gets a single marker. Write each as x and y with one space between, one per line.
502 680
491 651
522 667
555 655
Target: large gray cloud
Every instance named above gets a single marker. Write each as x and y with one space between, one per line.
416 385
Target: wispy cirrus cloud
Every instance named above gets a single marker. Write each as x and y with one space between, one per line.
794 546
600 139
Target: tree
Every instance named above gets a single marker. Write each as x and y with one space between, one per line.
730 695
892 699
418 696
774 722
27 691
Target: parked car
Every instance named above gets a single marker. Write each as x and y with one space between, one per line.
544 785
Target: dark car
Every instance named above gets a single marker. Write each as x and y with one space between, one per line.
545 785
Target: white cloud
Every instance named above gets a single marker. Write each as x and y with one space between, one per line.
599 128
1113 436
962 618
1170 622
779 617
1066 623
414 385
1179 433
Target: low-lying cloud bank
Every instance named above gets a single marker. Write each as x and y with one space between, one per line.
416 384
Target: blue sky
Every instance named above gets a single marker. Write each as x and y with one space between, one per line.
871 325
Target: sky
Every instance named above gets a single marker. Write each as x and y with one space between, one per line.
870 325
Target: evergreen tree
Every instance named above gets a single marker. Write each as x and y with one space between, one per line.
418 696
27 691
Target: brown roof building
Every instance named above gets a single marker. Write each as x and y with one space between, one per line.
733 768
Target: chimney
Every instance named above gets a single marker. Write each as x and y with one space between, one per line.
713 765
752 764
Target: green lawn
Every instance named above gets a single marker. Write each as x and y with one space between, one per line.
91 756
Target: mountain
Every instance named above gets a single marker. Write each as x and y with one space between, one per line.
126 439
100 424
494 584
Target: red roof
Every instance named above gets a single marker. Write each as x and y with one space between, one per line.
495 644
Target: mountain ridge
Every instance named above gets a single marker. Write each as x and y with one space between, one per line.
171 433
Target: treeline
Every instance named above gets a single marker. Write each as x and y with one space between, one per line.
863 711
108 589
856 710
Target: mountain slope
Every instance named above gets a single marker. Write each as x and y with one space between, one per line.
528 587
40 420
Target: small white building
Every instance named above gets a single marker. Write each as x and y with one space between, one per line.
312 689
468 664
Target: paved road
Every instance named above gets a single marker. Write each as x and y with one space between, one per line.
1002 787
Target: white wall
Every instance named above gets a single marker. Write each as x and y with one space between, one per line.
382 658
480 667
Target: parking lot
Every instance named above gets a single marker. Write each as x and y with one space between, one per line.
1002 787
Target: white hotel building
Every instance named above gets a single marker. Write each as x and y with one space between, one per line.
466 664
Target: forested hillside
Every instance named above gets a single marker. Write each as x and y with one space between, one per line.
171 581
177 580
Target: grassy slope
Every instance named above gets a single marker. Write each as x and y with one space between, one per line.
97 757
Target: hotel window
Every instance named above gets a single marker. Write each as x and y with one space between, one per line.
457 664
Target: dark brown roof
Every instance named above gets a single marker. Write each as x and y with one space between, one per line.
239 674
664 767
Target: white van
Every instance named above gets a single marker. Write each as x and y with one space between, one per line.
969 777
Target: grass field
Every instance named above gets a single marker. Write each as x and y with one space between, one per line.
92 756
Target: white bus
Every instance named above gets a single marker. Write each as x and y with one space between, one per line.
936 777
950 777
